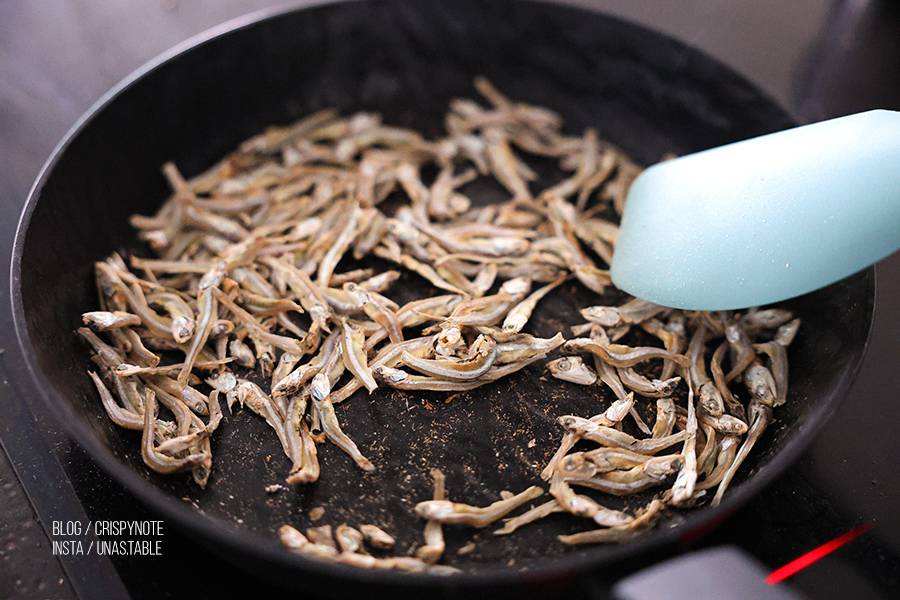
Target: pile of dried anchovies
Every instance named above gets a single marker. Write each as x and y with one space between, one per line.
714 431
246 275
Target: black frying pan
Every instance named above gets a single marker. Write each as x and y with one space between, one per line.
647 93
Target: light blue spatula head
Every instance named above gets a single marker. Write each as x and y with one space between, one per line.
764 219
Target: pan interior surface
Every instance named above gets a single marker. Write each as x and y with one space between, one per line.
649 95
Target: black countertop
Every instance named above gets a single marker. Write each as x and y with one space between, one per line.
818 58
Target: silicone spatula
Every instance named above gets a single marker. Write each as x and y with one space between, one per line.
764 219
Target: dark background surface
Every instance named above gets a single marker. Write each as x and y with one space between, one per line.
818 58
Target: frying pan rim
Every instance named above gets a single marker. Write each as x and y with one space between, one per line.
215 530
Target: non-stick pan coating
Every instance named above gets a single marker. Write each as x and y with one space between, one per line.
648 94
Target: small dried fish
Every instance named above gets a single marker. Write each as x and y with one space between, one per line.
376 537
434 546
454 513
320 390
623 356
572 368
245 297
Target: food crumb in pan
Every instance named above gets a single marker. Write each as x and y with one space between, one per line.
317 513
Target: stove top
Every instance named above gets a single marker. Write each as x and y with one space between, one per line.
820 58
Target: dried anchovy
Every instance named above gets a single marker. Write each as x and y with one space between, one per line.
715 430
247 273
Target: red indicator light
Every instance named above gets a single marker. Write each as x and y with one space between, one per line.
814 555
